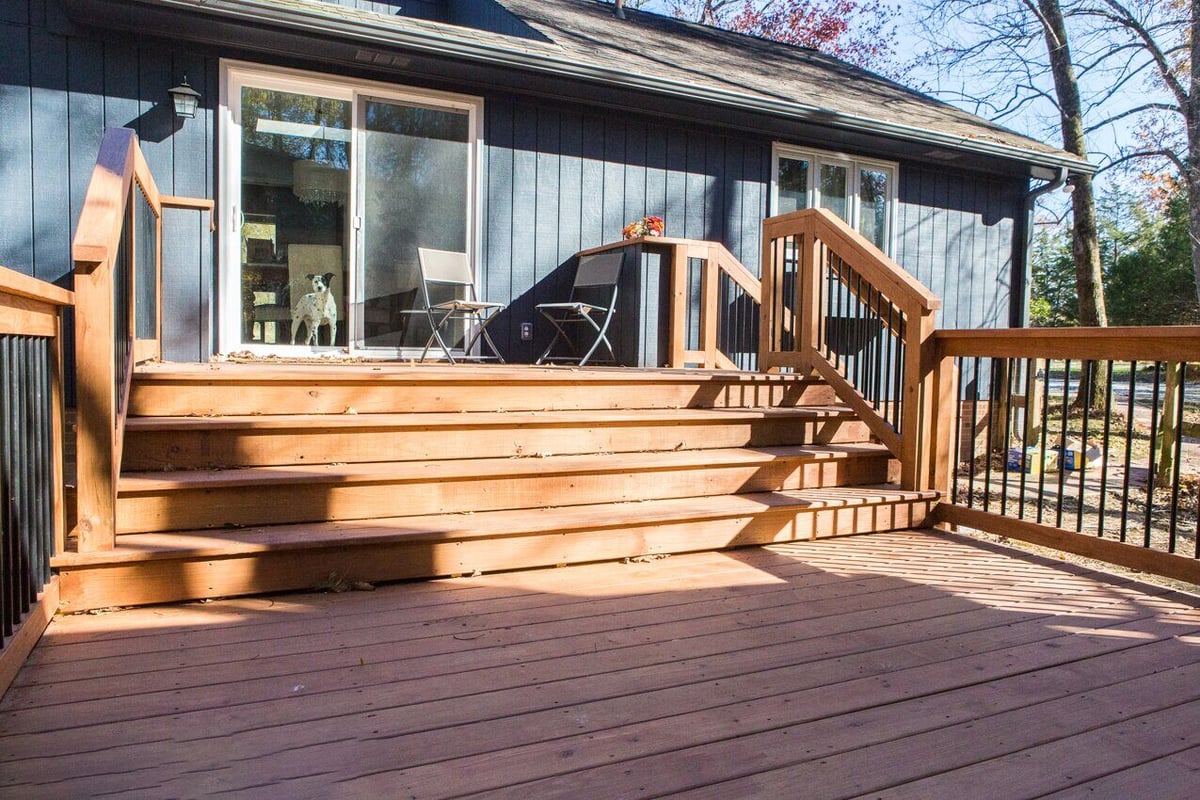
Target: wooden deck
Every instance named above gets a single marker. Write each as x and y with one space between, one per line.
908 664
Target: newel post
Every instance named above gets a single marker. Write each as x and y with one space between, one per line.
94 252
95 380
922 394
808 291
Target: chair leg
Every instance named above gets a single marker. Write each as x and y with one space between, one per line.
601 336
559 333
437 334
481 334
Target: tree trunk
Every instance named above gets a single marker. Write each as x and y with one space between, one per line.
1085 246
1191 116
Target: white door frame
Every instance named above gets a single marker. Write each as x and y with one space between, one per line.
237 74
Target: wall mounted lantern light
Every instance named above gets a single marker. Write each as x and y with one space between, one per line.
185 99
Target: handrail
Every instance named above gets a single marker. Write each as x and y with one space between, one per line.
1072 438
722 280
117 252
836 305
880 270
32 526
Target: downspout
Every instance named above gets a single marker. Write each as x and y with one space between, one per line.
1018 303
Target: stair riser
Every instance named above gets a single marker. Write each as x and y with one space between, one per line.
169 581
158 450
262 504
171 398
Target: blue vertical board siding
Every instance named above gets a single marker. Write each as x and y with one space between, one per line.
187 242
122 108
524 205
498 211
614 179
755 184
695 218
16 152
592 198
954 233
545 240
51 198
717 226
85 124
569 202
16 12
675 218
156 114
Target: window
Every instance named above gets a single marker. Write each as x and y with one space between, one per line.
859 191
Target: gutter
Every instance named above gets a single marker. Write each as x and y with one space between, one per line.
447 42
1021 283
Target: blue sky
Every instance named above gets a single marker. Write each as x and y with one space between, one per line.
1038 121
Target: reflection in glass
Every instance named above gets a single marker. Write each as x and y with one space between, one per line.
414 193
872 205
793 185
294 188
833 190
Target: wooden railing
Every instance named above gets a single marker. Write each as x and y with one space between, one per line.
835 305
118 289
1074 438
713 302
31 461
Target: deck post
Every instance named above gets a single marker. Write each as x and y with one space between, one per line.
709 313
678 290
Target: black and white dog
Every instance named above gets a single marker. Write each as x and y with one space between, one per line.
315 309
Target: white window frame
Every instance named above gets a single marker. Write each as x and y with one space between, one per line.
855 164
237 74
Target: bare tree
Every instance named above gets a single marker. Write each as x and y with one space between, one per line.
1085 245
1022 49
1153 45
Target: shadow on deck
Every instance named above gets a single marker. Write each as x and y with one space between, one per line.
908 664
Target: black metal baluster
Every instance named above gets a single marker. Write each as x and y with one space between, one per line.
1105 444
20 476
956 438
1006 432
9 616
974 433
901 354
1130 408
1062 442
1025 446
1150 458
1042 444
1085 379
991 434
1171 533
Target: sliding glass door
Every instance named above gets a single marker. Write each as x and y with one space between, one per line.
330 189
414 192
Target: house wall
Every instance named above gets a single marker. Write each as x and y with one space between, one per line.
556 178
955 232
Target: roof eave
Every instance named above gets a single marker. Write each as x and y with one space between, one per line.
446 43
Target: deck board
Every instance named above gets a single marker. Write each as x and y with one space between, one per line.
907 664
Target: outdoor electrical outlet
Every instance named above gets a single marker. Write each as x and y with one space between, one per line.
526 331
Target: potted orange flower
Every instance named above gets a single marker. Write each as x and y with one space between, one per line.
646 226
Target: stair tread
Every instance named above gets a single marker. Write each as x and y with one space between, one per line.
479 419
475 468
269 370
515 522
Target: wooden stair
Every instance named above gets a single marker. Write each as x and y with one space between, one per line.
385 472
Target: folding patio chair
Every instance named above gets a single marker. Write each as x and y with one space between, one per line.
448 268
597 277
